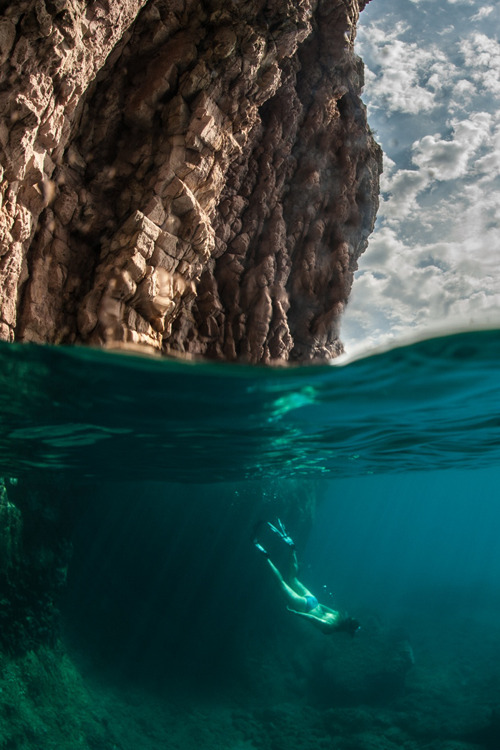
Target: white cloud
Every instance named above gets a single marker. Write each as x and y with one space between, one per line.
408 77
470 152
482 57
483 12
434 256
489 165
463 92
376 35
398 87
406 288
450 159
402 190
442 73
407 284
402 76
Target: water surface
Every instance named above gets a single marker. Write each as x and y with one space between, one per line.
431 405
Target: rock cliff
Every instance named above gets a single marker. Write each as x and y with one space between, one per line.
189 177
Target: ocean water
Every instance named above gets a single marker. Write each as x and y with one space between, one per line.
431 405
385 470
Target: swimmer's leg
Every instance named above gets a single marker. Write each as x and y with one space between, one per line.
294 600
292 579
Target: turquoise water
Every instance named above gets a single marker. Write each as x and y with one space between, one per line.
432 405
386 472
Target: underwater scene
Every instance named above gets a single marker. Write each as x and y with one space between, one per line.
214 556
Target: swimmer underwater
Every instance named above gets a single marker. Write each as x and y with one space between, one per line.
300 601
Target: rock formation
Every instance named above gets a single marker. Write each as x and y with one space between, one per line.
189 177
34 553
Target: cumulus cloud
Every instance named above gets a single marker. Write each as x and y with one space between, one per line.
418 287
400 192
450 159
468 153
489 165
403 82
406 285
434 100
462 95
482 58
404 76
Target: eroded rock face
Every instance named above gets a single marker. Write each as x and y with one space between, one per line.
190 177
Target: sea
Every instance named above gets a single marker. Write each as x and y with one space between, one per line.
385 471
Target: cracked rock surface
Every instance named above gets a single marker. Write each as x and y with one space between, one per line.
191 178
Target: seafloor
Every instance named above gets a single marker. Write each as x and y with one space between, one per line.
376 692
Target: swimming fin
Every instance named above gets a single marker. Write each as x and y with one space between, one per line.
281 531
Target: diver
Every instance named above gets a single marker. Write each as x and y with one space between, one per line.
300 600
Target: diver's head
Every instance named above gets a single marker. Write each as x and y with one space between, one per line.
349 625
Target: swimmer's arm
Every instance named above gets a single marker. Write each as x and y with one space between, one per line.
328 609
318 621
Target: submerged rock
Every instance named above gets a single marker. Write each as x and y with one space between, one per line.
34 554
191 178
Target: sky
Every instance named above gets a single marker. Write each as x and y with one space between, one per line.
432 89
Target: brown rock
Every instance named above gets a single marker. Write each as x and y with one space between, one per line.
201 181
